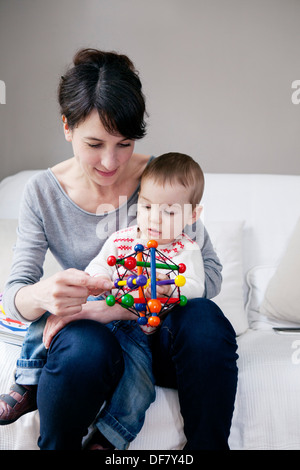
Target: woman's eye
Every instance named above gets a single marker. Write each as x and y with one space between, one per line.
94 146
124 145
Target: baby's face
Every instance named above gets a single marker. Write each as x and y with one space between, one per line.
163 211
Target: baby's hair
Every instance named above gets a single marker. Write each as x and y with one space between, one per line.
179 168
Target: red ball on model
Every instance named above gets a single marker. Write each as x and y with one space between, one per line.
182 268
130 263
111 260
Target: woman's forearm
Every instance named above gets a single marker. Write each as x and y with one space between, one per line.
27 302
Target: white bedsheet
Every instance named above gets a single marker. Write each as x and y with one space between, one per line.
163 428
267 411
267 408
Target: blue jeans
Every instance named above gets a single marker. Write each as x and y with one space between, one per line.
123 415
121 419
194 351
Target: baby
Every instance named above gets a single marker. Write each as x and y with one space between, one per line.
170 192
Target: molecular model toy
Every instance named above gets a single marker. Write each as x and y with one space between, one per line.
148 310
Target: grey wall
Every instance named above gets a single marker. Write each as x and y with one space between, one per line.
217 75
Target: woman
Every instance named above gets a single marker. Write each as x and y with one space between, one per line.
103 111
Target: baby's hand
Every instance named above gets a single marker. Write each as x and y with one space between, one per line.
99 284
164 290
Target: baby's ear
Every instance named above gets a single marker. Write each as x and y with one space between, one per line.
196 213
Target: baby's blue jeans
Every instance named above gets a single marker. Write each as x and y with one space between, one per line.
123 415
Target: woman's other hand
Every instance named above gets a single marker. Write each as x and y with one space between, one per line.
96 310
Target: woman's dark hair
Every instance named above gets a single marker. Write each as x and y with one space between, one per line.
109 83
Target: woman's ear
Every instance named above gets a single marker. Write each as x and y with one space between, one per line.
67 131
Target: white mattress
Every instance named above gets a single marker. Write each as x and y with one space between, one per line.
163 428
267 408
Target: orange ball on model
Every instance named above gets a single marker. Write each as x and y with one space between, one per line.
154 305
152 244
154 321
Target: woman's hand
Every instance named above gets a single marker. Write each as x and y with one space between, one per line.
95 310
53 325
96 291
62 294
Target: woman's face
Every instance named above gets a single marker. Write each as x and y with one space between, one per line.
101 156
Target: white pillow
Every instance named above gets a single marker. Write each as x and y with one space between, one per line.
8 237
258 279
227 240
282 297
11 189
